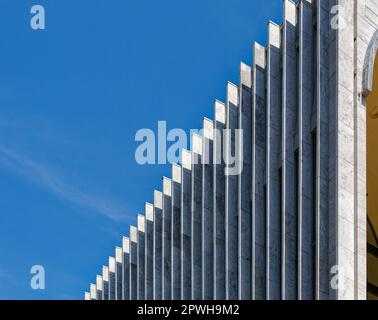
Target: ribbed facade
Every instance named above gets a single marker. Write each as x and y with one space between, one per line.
294 216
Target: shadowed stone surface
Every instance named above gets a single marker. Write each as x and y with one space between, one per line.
167 239
186 226
126 268
158 246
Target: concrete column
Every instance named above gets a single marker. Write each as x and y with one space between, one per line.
126 268
289 146
306 124
365 45
258 174
141 258
333 132
99 287
196 232
133 280
322 172
231 193
207 211
167 239
245 185
158 245
105 282
118 273
348 141
93 291
112 278
149 210
219 202
176 232
186 226
273 163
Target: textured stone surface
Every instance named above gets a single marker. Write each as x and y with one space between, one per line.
141 261
112 283
289 145
196 213
245 185
105 283
157 243
207 254
218 204
322 170
149 255
258 174
126 268
231 194
306 112
99 287
118 273
273 172
186 226
176 232
367 38
167 239
133 263
92 292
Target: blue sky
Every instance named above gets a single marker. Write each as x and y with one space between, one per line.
73 96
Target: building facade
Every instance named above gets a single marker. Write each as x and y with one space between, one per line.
299 220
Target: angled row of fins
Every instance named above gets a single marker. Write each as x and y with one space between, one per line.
254 234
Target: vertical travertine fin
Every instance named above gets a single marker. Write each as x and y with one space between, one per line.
305 159
105 281
273 156
343 148
289 146
231 192
126 244
118 273
186 225
158 245
99 284
133 263
258 173
99 287
322 267
365 46
207 232
141 254
93 291
126 268
196 216
244 149
112 280
219 202
176 232
149 258
167 239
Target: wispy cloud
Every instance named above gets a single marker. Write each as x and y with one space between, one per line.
8 279
57 184
35 130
